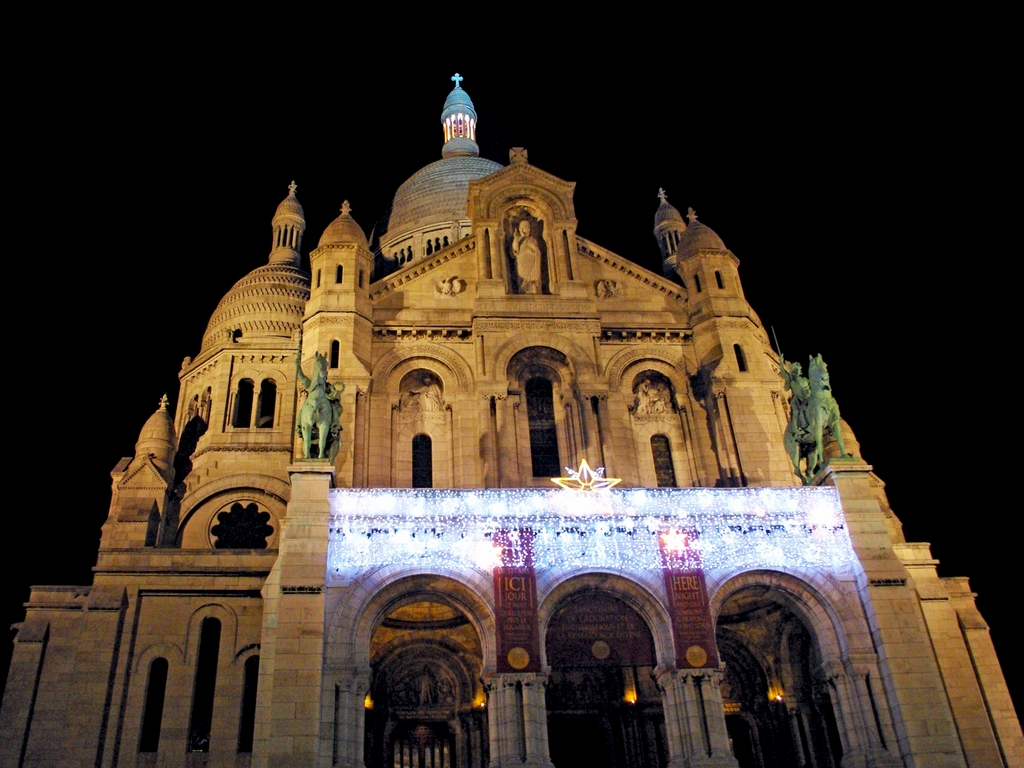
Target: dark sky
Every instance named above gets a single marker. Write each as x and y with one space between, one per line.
849 162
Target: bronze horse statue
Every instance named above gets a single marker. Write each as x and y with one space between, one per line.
320 413
813 414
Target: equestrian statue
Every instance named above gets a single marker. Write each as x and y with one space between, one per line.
319 418
813 413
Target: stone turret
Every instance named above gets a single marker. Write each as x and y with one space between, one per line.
458 117
668 229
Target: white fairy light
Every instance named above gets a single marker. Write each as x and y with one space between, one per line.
620 528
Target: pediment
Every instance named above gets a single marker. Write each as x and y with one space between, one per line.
142 474
520 183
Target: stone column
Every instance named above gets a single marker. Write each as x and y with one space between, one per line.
694 719
290 697
349 697
518 721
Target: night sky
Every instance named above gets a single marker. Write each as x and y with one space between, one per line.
842 160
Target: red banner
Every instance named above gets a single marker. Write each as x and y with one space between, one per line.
692 627
515 603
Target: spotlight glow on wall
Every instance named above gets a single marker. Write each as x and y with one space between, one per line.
737 527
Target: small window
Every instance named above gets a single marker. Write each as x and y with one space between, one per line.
153 709
335 353
339 274
718 279
696 282
201 721
318 278
540 412
243 404
267 404
741 359
247 725
236 334
663 468
360 278
422 462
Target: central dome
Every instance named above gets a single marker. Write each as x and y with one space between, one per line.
436 193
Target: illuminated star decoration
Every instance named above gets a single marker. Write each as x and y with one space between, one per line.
586 479
675 541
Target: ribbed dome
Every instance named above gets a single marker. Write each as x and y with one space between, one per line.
457 98
698 237
667 212
266 303
344 229
157 438
290 205
436 193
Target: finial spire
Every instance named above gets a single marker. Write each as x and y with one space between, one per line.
691 215
662 196
163 403
345 208
292 187
457 79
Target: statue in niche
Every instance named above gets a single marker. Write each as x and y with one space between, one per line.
321 411
653 396
526 251
813 414
424 395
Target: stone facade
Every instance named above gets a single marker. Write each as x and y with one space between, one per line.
483 344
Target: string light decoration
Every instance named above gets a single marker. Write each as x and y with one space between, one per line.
586 479
724 528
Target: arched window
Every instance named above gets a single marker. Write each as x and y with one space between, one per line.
422 462
266 405
247 724
335 353
540 411
339 274
663 468
205 404
741 359
201 722
718 279
153 709
243 404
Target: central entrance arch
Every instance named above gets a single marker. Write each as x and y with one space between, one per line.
426 704
604 707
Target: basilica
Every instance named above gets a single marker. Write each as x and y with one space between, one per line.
344 546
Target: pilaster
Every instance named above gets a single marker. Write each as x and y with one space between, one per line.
290 699
694 719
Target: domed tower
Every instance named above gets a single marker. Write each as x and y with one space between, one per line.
337 321
141 485
428 213
668 228
236 407
738 372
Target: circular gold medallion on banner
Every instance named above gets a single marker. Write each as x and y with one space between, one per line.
518 658
601 650
696 656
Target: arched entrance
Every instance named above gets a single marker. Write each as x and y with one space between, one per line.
426 707
777 710
604 708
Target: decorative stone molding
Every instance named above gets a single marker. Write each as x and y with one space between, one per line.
455 363
450 286
576 326
631 270
396 280
324 319
420 334
303 589
660 360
